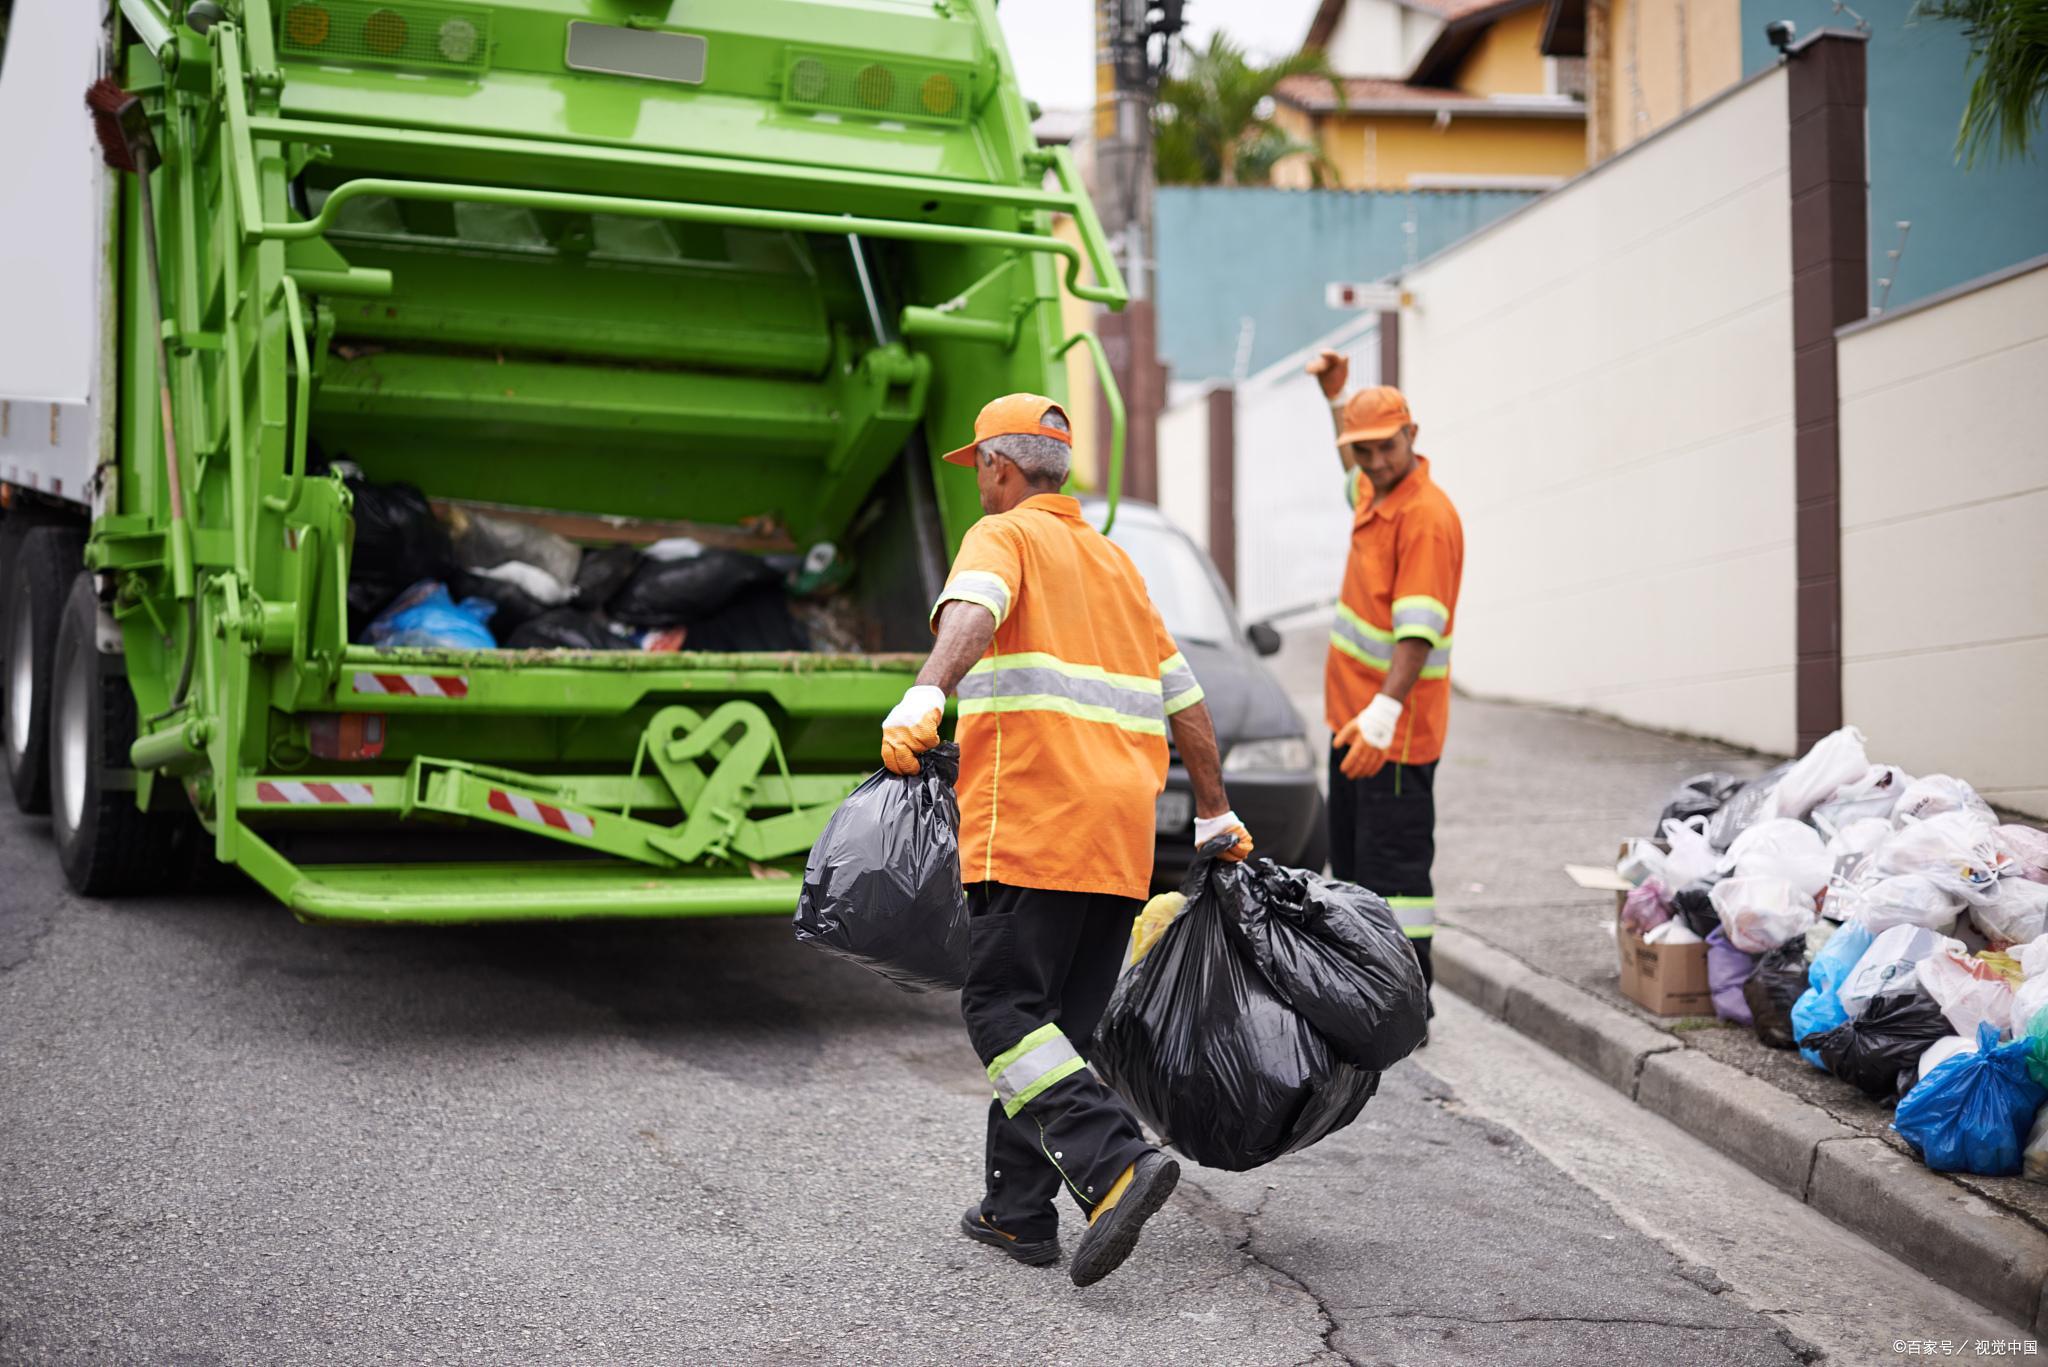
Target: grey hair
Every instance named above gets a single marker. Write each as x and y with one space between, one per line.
1043 460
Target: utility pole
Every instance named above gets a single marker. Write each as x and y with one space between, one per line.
1132 40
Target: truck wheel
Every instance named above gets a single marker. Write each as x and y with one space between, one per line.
19 521
42 571
106 844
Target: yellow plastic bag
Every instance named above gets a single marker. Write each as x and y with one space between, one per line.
1151 923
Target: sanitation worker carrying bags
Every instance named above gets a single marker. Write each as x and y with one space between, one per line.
1261 1018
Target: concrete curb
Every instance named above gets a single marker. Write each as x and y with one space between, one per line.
1925 1220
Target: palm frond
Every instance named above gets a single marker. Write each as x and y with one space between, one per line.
2009 64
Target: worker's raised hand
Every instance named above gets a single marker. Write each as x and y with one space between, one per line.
1332 371
1365 738
911 728
1208 828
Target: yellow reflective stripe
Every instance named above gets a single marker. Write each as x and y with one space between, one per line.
1421 600
1065 1068
1345 644
1181 701
1038 659
1344 613
963 596
1052 702
1177 678
1032 1064
1415 631
1171 663
980 587
1048 1031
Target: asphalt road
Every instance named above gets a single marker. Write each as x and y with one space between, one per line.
225 1136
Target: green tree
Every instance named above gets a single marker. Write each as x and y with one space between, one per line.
1213 121
2009 59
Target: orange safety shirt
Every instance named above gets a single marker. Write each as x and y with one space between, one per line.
1063 722
1400 583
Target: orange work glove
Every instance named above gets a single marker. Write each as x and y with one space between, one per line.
1207 828
1331 369
1365 738
911 728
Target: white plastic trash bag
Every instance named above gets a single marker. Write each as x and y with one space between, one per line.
2034 1160
1889 964
1782 848
1968 991
1944 1049
1692 857
2027 848
1908 899
2015 914
1953 848
1834 762
1939 793
1870 797
2033 957
2027 1003
1759 914
1672 933
1642 861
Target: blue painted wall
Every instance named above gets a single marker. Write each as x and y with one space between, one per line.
1965 223
1228 254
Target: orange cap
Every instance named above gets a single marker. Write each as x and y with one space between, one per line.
1374 413
1013 415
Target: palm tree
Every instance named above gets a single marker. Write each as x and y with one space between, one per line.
2009 53
1213 122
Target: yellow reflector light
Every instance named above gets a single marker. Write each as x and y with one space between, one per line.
307 25
384 32
457 40
939 94
875 86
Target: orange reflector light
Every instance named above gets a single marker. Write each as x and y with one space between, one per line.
307 25
876 86
384 32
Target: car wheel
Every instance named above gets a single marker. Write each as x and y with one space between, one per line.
36 582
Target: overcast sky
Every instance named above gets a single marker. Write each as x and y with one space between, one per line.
1053 41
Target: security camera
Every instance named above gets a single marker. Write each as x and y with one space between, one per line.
1781 32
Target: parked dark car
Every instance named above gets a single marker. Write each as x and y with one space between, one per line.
1269 762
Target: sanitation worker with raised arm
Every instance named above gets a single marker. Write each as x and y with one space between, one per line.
1387 679
1067 682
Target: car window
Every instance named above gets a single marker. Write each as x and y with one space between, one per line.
1178 579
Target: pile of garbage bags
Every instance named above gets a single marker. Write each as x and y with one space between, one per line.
1888 927
477 581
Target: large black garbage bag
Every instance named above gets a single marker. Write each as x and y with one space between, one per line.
1213 1036
566 629
516 607
1872 1050
1694 905
603 573
1700 795
398 542
882 887
1743 807
1779 980
662 593
757 620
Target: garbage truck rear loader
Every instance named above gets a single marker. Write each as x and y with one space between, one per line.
720 274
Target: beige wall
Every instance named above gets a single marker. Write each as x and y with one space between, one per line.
1604 385
1381 152
1944 429
1665 57
1508 58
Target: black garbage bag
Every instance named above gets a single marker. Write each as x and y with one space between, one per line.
1874 1049
1743 807
1700 795
603 573
1778 981
1694 905
516 607
757 620
663 593
1217 1036
398 542
882 886
567 629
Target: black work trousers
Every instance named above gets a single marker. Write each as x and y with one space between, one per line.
1383 838
1040 968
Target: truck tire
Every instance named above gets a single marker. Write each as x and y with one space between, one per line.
106 844
42 572
18 522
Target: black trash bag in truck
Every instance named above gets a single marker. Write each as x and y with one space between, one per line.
603 573
662 593
1778 982
566 629
1216 1037
882 886
398 542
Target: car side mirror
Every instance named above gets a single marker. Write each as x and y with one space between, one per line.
1264 636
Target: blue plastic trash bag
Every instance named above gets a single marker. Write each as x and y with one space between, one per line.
425 616
1818 1009
1972 1113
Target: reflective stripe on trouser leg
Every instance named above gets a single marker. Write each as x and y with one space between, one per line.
1417 915
1031 1065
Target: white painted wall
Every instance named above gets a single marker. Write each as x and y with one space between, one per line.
1604 386
1944 429
1379 38
1184 465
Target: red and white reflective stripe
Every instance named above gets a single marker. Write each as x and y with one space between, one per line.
413 685
296 794
539 813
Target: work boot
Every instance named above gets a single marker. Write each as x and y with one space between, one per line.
1114 1227
1031 1252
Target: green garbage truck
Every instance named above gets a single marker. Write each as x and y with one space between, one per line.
655 280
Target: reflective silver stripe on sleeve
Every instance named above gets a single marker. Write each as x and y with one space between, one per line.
1178 684
977 586
1021 682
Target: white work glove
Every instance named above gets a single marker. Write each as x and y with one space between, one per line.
912 727
1207 828
1365 737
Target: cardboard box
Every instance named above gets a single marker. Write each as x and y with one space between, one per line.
1665 980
